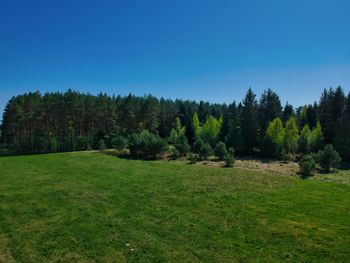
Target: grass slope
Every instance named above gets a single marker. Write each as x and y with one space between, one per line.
85 207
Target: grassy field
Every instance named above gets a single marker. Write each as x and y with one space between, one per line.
91 207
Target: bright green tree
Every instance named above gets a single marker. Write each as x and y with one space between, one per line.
290 140
304 140
196 124
273 141
316 139
211 130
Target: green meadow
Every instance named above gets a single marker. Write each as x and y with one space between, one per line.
92 207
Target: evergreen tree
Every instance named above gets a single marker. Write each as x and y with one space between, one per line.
249 124
342 139
269 109
288 112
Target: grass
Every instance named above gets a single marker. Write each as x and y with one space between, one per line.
90 207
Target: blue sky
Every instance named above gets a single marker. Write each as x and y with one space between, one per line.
203 50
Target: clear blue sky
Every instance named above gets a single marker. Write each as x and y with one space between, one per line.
203 50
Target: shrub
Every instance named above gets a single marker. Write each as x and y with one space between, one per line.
307 165
193 158
229 160
197 145
205 151
174 152
182 145
101 144
119 142
147 145
83 143
220 150
327 158
231 151
286 155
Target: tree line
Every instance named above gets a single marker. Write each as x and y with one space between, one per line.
52 122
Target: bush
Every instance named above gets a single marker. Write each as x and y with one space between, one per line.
119 142
182 145
205 151
307 165
83 143
174 152
193 158
220 150
327 158
197 145
231 151
101 145
286 155
229 160
147 145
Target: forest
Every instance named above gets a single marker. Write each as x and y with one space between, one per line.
73 121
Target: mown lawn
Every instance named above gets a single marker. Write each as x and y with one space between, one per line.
86 207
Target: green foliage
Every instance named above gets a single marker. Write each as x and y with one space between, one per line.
286 156
193 158
342 139
249 122
196 124
220 150
178 138
83 143
290 140
70 121
269 108
174 152
316 138
101 144
177 125
229 160
183 145
197 145
120 142
205 151
327 158
304 140
273 141
307 165
211 130
173 137
235 139
147 145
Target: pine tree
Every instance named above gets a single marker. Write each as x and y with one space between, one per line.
288 112
249 122
269 109
342 139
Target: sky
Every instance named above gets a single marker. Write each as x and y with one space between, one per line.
210 50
